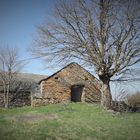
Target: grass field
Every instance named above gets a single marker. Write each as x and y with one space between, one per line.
75 121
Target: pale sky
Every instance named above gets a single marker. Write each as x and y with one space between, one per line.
18 21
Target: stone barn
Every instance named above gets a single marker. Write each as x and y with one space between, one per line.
71 83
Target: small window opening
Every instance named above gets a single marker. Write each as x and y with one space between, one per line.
86 78
56 77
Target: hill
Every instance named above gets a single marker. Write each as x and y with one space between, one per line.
31 77
26 77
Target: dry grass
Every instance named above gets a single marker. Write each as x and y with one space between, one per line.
33 117
133 99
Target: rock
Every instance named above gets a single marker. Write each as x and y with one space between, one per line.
111 111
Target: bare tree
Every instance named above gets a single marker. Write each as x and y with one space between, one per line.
104 34
10 65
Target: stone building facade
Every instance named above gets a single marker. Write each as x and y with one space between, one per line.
72 83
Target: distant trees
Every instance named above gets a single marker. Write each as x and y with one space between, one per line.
104 34
10 65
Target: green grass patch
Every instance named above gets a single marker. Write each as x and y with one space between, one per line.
75 121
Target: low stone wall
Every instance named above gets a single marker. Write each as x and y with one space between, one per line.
17 100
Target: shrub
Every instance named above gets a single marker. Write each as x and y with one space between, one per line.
133 100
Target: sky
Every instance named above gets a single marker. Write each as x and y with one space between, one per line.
18 21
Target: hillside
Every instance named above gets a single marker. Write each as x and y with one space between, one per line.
31 77
75 121
26 77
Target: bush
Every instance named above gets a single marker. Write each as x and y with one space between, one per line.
133 100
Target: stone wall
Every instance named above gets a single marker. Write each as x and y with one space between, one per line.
57 88
17 100
56 93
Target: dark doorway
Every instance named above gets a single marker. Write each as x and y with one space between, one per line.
76 93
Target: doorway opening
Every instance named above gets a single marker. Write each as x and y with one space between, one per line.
76 93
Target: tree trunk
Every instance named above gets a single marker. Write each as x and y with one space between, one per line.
5 100
106 98
7 97
6 104
4 91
